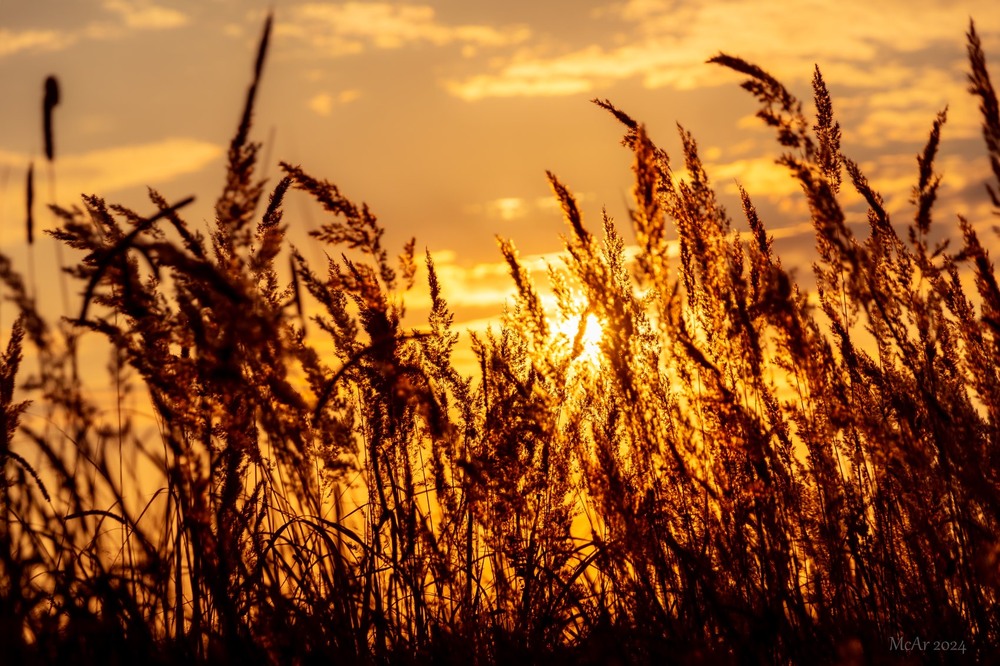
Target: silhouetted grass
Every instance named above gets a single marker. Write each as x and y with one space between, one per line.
742 476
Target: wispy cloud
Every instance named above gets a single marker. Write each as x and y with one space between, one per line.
759 175
580 71
906 114
111 170
322 104
509 209
894 178
352 27
14 41
129 16
665 44
144 15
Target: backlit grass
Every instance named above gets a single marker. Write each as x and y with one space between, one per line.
688 462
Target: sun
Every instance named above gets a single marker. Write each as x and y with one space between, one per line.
589 338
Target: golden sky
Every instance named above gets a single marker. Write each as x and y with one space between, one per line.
443 115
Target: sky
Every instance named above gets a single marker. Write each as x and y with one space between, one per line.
443 115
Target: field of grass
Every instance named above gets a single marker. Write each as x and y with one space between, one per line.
728 471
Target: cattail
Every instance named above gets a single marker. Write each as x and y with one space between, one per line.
296 293
31 203
49 103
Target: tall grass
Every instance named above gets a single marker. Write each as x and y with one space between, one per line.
742 477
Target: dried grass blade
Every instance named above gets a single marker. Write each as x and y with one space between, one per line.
96 512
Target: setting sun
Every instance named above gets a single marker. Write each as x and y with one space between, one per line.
588 337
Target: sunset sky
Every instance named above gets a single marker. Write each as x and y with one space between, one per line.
443 115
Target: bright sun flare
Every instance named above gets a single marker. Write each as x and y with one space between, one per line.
590 342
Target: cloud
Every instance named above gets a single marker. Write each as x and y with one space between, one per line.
485 86
14 41
895 177
110 170
322 103
352 27
666 44
849 30
145 15
132 15
759 176
906 115
579 72
348 96
504 208
509 209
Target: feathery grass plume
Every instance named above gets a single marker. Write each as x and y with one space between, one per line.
240 195
781 109
268 241
925 191
10 417
652 186
827 132
981 86
119 249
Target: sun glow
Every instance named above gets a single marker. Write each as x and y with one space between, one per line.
589 333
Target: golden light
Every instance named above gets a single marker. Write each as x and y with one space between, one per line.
589 337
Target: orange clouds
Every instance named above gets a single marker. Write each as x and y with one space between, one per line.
110 170
14 41
352 27
665 44
145 15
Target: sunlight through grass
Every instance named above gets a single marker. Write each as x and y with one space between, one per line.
585 338
712 468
